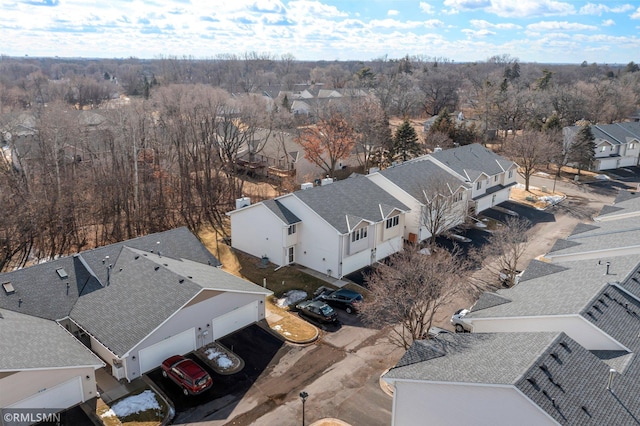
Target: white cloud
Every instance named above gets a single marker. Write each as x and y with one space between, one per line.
479 23
599 9
636 14
560 26
392 12
608 23
513 9
478 33
426 8
316 9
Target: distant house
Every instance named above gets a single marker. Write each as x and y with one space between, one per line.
336 228
133 304
617 145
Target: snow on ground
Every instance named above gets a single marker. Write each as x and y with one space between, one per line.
133 404
542 174
551 199
602 177
221 359
279 329
291 297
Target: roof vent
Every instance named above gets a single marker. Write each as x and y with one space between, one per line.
555 356
612 372
181 280
242 202
62 273
156 268
137 257
8 288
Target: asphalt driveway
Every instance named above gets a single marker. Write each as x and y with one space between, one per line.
255 345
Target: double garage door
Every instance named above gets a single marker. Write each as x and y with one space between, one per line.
64 395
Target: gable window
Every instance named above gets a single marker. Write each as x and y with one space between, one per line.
495 178
358 234
392 221
478 185
510 174
603 149
457 197
632 145
292 229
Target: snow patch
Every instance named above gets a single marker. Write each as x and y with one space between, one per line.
133 404
291 297
220 358
602 177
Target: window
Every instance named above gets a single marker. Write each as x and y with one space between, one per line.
457 197
632 145
358 234
510 174
478 185
392 221
292 229
495 178
291 254
603 149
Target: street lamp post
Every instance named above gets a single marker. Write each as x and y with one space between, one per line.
303 397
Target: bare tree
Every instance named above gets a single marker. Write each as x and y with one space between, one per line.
410 289
444 205
504 250
530 150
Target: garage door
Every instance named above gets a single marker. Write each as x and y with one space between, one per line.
235 320
152 356
63 395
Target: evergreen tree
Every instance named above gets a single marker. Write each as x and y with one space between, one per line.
582 151
444 124
405 142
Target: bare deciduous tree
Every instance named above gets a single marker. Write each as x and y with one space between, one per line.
504 250
411 288
530 150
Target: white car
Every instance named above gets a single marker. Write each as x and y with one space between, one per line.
458 322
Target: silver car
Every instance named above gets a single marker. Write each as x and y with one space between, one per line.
457 321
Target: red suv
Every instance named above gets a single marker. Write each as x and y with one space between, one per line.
187 374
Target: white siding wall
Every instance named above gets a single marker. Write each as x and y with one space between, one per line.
18 386
422 403
257 231
198 315
412 218
576 327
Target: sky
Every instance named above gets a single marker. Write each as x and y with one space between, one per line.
542 31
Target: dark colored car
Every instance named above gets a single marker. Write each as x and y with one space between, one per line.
186 374
317 310
343 299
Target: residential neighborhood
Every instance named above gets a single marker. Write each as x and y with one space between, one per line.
557 348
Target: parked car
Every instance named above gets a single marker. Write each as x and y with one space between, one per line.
187 374
342 298
457 321
317 310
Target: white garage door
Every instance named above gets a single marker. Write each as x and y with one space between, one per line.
235 320
63 395
152 356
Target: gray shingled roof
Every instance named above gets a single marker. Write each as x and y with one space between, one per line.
472 358
29 342
565 292
567 377
356 196
44 293
617 133
470 161
626 202
144 290
283 213
415 177
601 236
